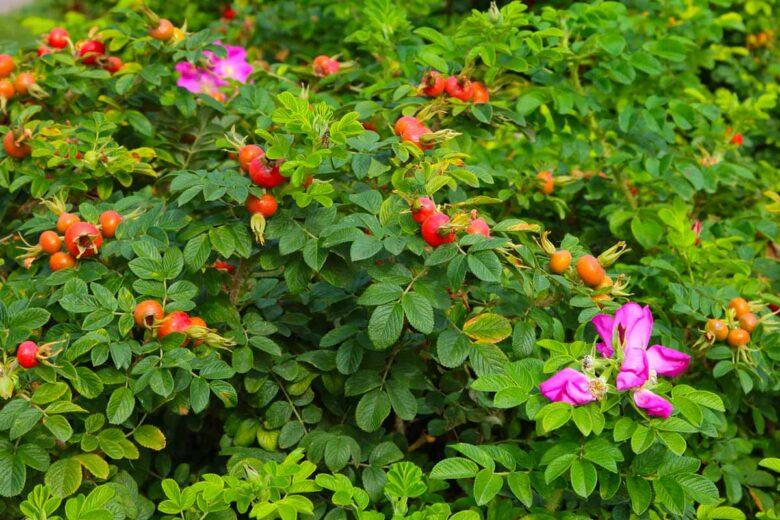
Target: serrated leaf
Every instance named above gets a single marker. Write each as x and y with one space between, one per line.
488 328
418 311
150 437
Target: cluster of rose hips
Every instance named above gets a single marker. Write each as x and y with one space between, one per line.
434 84
591 270
740 322
325 66
265 174
81 239
437 228
23 83
149 314
762 39
91 51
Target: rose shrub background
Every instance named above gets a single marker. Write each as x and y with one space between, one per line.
354 359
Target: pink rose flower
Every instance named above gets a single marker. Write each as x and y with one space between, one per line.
568 386
653 404
233 66
215 74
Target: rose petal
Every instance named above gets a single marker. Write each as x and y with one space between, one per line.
667 361
634 370
653 404
605 328
568 386
635 325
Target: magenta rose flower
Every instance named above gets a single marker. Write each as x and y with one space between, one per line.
197 80
568 386
653 404
209 78
233 66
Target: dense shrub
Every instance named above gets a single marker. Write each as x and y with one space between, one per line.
378 259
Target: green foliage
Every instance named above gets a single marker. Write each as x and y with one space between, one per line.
346 368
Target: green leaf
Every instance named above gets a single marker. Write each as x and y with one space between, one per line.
380 293
583 478
199 394
485 265
223 241
669 493
49 392
488 328
582 418
648 232
486 486
402 399
674 441
623 429
385 453
365 246
520 484
645 62
13 474
338 451
120 405
555 415
418 311
386 324
94 464
59 427
29 319
772 463
25 422
452 348
64 477
640 494
641 439
699 488
558 467
612 42
196 252
453 468
372 409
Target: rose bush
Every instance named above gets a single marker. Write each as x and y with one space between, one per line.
378 259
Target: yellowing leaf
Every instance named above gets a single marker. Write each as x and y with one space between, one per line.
488 328
150 437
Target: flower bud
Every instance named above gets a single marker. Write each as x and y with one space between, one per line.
209 337
257 224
